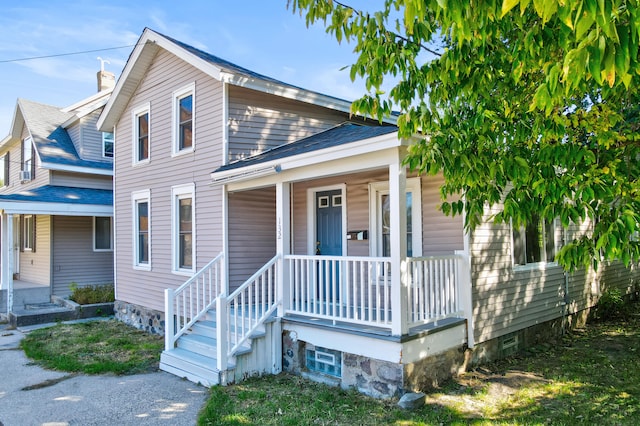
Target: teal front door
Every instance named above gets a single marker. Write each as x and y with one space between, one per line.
328 241
329 223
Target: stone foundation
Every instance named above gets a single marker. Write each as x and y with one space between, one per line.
140 317
374 377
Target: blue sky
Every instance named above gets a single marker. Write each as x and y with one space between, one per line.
262 35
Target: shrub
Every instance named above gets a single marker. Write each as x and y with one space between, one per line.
611 304
87 295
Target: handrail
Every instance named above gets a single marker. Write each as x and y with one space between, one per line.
190 302
246 309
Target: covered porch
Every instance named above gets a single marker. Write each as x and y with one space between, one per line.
44 231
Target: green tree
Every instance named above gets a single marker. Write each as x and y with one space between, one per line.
527 105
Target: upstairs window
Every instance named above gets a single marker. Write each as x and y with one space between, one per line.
141 134
534 243
27 168
4 170
183 119
107 144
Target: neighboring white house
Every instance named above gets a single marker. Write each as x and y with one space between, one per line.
262 227
56 200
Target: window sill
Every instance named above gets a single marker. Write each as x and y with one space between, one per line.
142 267
540 266
182 152
183 272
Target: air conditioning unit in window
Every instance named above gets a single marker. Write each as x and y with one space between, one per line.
25 175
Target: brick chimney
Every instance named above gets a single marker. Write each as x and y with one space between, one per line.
106 79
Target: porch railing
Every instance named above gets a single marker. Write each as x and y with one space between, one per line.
189 302
340 288
244 310
433 288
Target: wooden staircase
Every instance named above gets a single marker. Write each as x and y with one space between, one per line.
194 356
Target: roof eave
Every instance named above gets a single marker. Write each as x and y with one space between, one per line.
135 68
76 169
389 140
65 209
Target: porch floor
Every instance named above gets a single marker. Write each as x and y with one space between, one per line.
372 331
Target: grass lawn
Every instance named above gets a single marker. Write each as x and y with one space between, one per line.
94 347
590 377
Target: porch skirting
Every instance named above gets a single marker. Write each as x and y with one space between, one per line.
140 317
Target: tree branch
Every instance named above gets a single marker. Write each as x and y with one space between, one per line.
395 35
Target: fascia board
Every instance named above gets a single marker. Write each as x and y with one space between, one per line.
76 169
53 209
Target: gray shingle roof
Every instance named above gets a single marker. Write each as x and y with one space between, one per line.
236 69
336 136
62 194
50 140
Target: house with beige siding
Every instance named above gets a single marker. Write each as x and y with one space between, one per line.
56 201
262 227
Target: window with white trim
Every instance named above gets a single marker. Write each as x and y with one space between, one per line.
28 232
107 144
380 218
183 119
27 168
534 243
4 170
141 125
102 233
183 230
141 230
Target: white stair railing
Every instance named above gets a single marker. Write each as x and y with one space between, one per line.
189 302
244 310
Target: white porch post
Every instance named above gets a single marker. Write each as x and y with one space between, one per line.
283 243
7 259
398 236
465 284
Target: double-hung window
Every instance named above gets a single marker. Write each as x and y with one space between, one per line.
534 242
183 119
4 170
27 168
183 231
102 233
141 133
141 229
28 232
107 144
380 217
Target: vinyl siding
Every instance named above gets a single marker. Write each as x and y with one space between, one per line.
81 180
252 232
42 175
73 257
75 133
508 298
35 267
87 139
166 74
441 234
258 121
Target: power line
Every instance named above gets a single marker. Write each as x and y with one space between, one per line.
65 54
